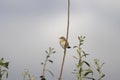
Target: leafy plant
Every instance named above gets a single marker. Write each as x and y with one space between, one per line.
3 68
27 75
80 71
99 68
49 53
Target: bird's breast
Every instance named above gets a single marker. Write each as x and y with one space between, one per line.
62 43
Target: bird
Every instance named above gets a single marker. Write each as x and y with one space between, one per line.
64 43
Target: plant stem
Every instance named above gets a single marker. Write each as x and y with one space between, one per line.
80 61
100 76
44 67
68 23
60 77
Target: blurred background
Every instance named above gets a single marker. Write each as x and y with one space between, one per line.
29 27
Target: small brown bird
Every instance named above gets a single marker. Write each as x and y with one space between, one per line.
64 43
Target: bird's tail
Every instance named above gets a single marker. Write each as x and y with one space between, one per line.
68 47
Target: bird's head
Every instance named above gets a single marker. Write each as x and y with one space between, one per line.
62 38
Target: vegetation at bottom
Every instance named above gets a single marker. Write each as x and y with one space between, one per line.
83 71
3 68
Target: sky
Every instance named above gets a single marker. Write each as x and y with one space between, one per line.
29 27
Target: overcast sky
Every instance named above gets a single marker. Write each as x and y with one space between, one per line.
29 27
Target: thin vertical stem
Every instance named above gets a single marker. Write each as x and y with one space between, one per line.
60 77
68 23
44 67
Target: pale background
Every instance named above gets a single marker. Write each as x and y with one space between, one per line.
29 27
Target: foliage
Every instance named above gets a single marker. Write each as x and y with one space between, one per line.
99 68
27 75
84 70
81 71
49 53
3 68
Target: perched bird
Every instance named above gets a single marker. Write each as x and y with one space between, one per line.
64 43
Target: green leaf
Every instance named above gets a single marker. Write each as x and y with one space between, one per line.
81 40
86 73
90 78
50 72
86 63
46 52
75 46
48 56
80 44
5 64
102 65
103 75
84 53
42 77
54 51
83 37
50 61
29 76
74 72
6 74
75 69
5 71
99 71
96 61
75 57
1 60
79 37
42 63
